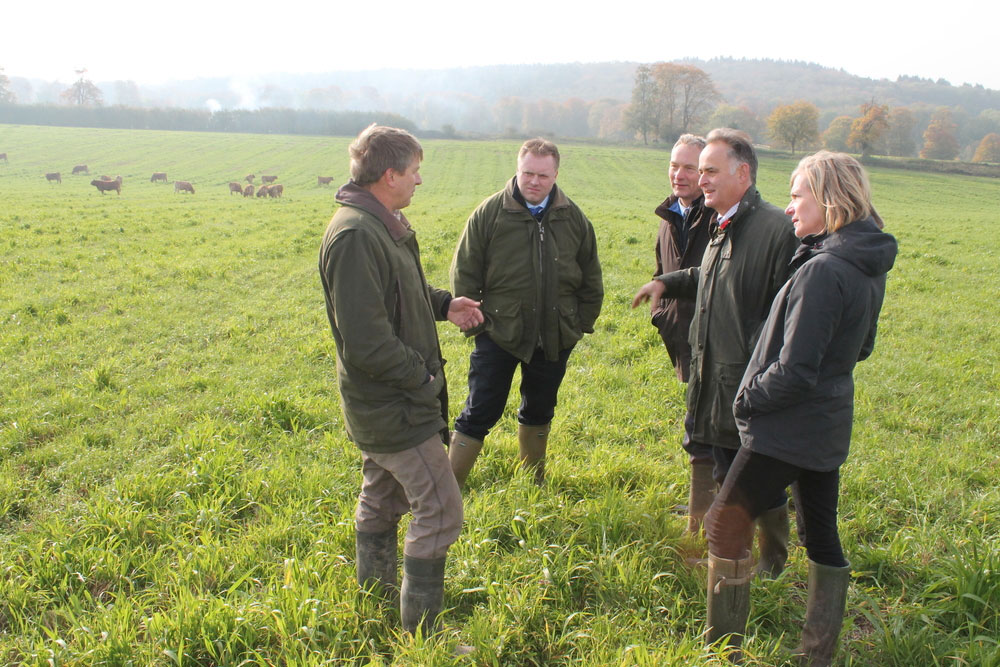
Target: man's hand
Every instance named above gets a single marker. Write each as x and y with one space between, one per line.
464 313
651 291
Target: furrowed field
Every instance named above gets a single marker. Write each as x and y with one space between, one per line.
176 486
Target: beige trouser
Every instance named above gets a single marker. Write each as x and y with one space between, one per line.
417 480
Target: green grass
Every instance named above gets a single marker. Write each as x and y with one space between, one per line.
176 486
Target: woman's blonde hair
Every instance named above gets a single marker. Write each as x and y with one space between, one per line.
840 185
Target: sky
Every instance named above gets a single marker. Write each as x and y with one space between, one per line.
153 42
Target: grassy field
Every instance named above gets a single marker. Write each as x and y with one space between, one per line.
176 486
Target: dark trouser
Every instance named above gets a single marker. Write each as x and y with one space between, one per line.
491 371
698 452
753 482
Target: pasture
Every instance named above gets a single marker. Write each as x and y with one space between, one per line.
176 487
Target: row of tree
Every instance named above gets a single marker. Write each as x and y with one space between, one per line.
876 130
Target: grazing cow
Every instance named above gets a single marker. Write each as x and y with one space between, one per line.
235 187
103 185
275 190
249 178
54 176
324 180
183 186
81 169
158 176
262 191
3 156
248 191
268 179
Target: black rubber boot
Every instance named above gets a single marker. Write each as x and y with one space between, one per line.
376 562
728 600
422 594
463 452
824 614
532 442
772 541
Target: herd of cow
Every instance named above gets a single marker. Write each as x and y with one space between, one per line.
268 187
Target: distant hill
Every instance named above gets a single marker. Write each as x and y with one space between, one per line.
579 100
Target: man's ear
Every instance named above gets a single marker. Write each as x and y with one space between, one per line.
744 171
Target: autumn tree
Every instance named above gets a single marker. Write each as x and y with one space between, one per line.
940 140
899 137
868 129
644 112
791 124
669 99
83 93
686 94
835 136
7 95
989 149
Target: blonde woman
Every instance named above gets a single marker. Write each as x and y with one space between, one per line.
794 407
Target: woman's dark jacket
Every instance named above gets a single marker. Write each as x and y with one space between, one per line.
796 400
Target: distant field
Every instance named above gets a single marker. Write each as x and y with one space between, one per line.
176 486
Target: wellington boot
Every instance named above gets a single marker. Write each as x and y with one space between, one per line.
462 452
532 442
422 594
701 495
728 600
376 555
772 540
824 614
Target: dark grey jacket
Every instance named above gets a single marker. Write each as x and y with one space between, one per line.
796 400
743 268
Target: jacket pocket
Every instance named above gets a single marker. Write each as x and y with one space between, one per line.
503 319
425 406
726 378
570 330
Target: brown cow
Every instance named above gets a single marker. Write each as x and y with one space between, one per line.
104 185
268 179
262 191
235 187
183 186
54 176
324 180
248 191
249 178
3 156
81 169
275 190
158 176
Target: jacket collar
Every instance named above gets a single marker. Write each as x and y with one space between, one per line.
355 196
663 210
511 196
748 204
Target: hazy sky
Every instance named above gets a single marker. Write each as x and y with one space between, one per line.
150 41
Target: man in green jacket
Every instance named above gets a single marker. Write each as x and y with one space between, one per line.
751 243
529 254
390 373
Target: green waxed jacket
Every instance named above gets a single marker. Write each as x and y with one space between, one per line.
382 313
743 268
539 281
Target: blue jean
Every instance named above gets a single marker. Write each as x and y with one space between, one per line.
753 482
491 372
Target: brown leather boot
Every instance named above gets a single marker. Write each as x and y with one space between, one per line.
462 452
702 494
532 442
